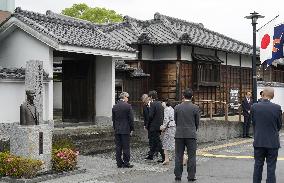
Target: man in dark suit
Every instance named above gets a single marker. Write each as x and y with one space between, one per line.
187 118
146 105
267 122
122 117
156 117
246 105
260 99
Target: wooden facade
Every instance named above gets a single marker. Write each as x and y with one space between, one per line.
209 81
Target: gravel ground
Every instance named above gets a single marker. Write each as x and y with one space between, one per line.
139 153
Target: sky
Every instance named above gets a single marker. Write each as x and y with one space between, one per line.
223 16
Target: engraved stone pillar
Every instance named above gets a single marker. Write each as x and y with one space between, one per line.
34 81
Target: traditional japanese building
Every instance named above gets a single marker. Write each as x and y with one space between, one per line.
175 54
86 91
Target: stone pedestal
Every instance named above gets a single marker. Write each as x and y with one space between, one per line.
33 142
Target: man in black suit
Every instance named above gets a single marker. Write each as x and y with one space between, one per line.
156 117
246 105
122 117
187 118
146 105
260 99
267 122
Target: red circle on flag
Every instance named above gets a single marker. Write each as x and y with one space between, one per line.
265 41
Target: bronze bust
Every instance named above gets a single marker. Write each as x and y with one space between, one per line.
28 112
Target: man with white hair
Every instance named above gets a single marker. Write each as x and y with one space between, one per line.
267 122
122 117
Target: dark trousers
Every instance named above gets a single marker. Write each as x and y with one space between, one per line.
122 147
260 154
246 125
155 144
190 144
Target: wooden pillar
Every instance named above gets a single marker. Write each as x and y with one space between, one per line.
178 89
211 108
226 111
139 52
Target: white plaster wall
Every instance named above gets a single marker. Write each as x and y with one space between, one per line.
233 59
147 52
12 95
222 56
204 51
46 102
105 86
19 47
186 53
57 93
278 96
246 61
165 53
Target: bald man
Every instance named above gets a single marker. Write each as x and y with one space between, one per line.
267 122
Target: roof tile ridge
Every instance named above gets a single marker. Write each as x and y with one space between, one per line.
135 24
227 37
178 20
112 26
200 26
60 19
166 23
27 20
65 19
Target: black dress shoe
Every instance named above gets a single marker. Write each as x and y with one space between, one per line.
160 160
119 166
128 166
192 180
177 179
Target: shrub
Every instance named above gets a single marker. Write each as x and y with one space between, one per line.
64 159
63 143
18 167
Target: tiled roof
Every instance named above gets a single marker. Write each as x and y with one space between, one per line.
16 73
121 66
70 31
168 30
207 58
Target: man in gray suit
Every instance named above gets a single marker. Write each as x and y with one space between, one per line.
187 120
267 122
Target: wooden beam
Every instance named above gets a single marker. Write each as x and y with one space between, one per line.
177 80
178 52
139 52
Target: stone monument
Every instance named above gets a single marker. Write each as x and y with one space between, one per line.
32 138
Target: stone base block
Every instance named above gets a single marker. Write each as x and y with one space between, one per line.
33 142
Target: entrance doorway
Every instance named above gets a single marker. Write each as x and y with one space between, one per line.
78 91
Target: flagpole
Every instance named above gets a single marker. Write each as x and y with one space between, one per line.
267 23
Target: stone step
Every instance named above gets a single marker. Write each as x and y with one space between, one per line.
107 148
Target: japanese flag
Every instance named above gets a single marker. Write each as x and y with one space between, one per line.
266 41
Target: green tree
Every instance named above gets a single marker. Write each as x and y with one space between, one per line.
96 15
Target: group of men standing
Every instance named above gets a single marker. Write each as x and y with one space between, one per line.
266 120
186 117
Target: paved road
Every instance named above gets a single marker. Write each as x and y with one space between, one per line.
223 162
226 163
